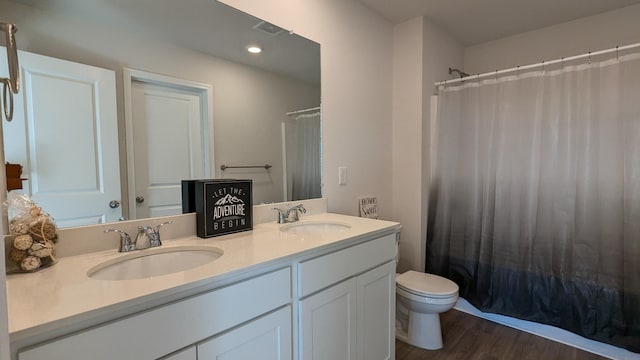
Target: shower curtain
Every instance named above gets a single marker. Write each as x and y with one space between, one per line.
534 205
303 144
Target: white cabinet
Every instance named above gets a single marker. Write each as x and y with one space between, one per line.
338 304
266 338
354 318
375 318
328 323
325 270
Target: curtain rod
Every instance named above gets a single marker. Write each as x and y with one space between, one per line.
543 63
304 111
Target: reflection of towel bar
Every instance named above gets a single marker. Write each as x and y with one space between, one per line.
225 167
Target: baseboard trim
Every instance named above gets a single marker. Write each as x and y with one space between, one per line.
551 333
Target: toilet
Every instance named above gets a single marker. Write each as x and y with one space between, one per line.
420 298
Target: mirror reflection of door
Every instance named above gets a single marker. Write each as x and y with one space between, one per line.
170 142
65 135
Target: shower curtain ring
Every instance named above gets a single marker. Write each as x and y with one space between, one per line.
617 54
589 58
542 65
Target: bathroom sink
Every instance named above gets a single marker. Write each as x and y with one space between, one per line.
154 262
315 227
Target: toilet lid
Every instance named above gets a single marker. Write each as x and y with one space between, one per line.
426 284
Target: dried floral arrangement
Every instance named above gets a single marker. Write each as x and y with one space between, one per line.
34 234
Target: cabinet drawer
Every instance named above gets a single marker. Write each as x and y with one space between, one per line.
266 338
318 273
160 331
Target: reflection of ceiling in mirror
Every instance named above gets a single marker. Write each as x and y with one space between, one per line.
202 25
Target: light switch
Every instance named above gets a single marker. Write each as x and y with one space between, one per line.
342 175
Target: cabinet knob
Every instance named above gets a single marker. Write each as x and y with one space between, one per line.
114 204
139 199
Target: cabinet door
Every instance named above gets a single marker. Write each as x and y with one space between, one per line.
267 338
376 313
186 354
328 323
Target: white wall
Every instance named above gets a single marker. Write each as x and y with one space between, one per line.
356 48
422 54
599 32
248 104
441 51
407 139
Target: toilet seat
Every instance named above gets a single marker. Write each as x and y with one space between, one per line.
426 285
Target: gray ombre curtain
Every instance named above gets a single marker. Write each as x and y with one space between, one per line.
535 200
303 133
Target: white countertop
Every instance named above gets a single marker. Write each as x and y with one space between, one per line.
62 294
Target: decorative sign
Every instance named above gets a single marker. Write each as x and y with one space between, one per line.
223 207
369 207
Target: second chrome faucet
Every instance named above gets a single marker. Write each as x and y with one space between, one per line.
291 214
148 236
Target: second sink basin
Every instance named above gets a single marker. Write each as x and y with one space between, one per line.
154 262
315 227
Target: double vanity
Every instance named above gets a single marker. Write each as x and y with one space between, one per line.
320 288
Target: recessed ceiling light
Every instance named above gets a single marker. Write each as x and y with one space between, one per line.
254 49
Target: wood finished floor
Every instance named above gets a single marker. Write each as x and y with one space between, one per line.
467 337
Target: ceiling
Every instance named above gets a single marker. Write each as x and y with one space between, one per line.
222 28
476 21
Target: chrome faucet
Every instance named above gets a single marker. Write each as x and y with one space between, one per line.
148 236
126 244
290 215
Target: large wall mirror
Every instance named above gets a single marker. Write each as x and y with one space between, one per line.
187 99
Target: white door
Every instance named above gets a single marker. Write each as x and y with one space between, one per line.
328 323
267 338
170 142
376 297
65 134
